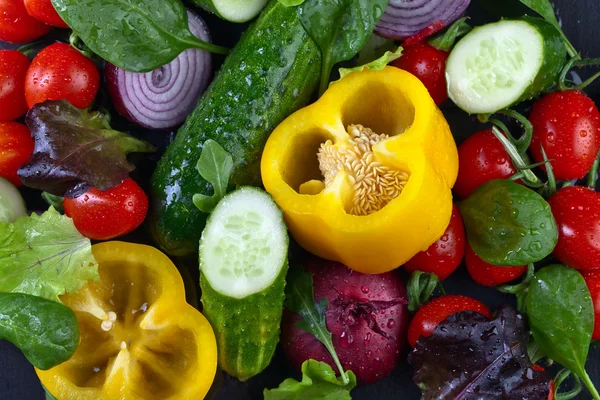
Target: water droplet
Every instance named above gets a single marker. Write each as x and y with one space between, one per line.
364 289
391 323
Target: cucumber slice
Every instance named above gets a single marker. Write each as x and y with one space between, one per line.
244 245
233 10
12 205
500 64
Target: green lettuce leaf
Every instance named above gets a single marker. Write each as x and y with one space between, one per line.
45 256
375 65
215 165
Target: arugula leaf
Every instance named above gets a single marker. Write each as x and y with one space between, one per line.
291 3
340 28
561 318
446 40
75 150
136 35
319 382
45 256
300 298
46 332
375 65
215 165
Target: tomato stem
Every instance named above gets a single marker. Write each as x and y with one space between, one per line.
76 42
592 177
518 159
524 141
421 286
550 173
590 385
560 378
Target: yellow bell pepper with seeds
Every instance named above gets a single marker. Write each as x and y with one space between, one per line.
364 175
140 340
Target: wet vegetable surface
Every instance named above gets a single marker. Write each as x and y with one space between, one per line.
17 377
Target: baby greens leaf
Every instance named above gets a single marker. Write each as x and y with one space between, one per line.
447 40
44 256
215 165
509 224
75 150
46 332
561 318
469 357
375 65
319 382
300 298
136 35
340 28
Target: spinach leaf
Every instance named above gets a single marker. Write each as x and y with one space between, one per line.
469 357
75 150
45 331
340 28
447 40
375 65
319 382
561 318
508 224
45 256
136 35
215 165
300 298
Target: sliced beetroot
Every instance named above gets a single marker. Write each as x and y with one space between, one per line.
367 316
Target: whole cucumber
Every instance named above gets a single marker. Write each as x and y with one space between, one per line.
272 72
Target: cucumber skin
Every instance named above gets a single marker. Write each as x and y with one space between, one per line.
248 329
209 6
283 79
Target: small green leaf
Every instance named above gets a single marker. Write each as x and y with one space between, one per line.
319 382
375 47
376 65
55 201
215 165
544 8
48 394
447 40
508 224
291 3
46 332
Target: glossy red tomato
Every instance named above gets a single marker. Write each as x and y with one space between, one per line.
444 256
429 65
13 68
16 146
431 314
577 213
567 124
481 158
16 26
44 11
60 72
109 214
592 279
487 274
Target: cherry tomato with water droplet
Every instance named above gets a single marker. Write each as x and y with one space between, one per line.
429 65
60 72
444 256
44 11
481 158
490 275
567 125
577 213
17 26
13 69
592 279
106 215
16 146
431 314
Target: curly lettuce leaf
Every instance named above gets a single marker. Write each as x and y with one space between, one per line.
374 65
45 256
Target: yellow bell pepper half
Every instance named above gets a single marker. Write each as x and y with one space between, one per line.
139 338
364 175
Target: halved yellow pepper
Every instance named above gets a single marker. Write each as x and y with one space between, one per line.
139 338
379 190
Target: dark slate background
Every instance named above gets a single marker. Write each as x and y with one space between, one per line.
581 22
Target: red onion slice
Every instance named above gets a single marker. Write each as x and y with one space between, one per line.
405 18
163 98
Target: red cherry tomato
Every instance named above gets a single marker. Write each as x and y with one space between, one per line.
16 26
429 65
44 11
577 213
16 146
551 391
13 68
444 256
592 279
567 124
481 158
109 214
431 314
60 72
487 274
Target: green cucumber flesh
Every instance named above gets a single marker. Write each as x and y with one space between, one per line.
233 10
244 245
12 205
501 64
